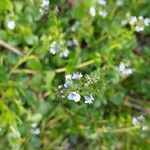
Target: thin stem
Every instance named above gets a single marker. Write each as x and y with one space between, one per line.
82 65
11 48
119 130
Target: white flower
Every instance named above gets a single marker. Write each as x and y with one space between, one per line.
68 77
89 99
34 125
103 13
77 76
65 53
139 28
145 127
44 6
45 3
92 11
132 20
135 121
141 18
53 48
120 3
0 129
66 85
102 2
74 96
11 25
147 21
72 43
141 118
35 131
124 70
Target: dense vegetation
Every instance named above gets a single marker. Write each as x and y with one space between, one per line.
74 74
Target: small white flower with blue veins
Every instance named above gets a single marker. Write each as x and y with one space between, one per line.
74 96
92 11
139 28
77 76
88 99
102 2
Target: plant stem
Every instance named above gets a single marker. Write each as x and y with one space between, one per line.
11 48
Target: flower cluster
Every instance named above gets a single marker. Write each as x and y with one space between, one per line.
102 11
56 47
138 23
74 94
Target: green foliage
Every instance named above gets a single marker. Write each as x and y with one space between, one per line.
35 112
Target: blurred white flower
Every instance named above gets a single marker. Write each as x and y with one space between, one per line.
74 96
89 99
145 127
135 121
75 26
44 6
35 131
72 43
45 2
68 80
0 129
124 22
102 2
77 76
120 3
11 25
66 85
124 70
68 77
92 11
132 20
34 125
53 48
146 21
141 118
103 13
65 53
141 18
139 28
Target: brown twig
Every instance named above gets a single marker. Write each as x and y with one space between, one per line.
11 48
136 106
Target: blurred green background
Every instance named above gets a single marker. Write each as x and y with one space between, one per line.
33 116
